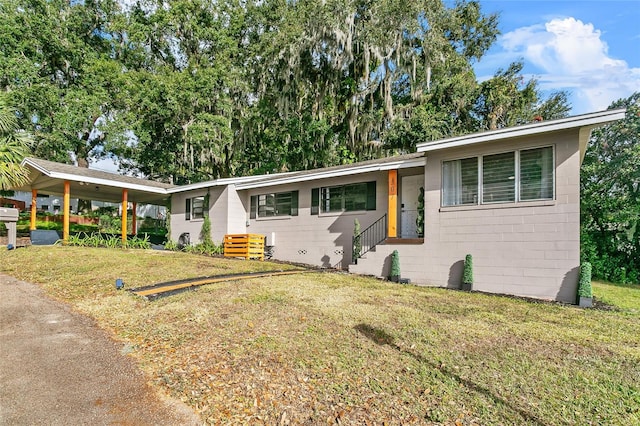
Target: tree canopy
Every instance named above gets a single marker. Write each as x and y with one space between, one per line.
14 146
610 202
191 90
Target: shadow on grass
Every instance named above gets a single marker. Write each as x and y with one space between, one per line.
381 337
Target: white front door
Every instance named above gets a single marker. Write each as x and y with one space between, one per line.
409 192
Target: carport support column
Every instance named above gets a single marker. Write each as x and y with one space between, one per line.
124 216
133 218
34 208
65 212
392 206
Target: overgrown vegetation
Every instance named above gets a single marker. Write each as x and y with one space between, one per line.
216 89
319 348
610 198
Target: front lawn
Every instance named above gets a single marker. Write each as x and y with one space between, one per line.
327 348
622 296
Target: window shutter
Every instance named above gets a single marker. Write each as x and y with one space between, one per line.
294 203
371 195
187 209
315 200
254 207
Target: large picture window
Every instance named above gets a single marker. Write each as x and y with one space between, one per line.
274 204
351 197
509 177
194 208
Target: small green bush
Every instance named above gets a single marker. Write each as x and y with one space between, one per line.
171 245
467 277
357 244
395 265
205 231
584 283
420 218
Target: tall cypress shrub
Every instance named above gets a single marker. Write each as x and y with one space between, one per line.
467 277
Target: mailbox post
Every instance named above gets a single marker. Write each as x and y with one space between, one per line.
10 218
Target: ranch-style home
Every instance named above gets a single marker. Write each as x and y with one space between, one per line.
509 197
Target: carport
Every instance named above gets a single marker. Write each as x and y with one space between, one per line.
50 178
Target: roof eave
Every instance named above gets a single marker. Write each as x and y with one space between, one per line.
92 180
581 121
327 174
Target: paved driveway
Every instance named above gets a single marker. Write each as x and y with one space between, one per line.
57 368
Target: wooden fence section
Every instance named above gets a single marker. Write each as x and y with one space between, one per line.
249 246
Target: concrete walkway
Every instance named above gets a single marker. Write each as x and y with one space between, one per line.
58 368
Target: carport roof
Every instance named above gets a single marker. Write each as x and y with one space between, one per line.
47 177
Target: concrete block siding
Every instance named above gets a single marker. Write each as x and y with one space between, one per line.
527 249
324 239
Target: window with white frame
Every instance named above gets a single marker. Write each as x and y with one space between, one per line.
274 204
194 208
515 176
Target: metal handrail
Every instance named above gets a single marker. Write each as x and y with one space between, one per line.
366 240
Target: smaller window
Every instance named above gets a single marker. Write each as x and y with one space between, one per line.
351 197
194 208
460 182
536 174
274 204
499 178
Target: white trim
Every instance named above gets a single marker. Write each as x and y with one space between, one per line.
104 182
220 182
585 120
324 174
93 180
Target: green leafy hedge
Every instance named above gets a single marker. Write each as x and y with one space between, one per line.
584 284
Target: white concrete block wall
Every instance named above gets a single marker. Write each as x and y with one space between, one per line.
324 239
529 249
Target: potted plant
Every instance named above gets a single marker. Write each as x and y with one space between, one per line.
585 294
467 276
394 275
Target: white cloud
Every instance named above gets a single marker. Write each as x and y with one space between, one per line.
572 55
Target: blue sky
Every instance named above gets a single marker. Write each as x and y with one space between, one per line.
589 48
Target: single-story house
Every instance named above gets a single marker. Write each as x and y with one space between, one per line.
509 197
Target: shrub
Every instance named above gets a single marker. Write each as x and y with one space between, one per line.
467 277
584 283
420 218
395 266
357 244
171 245
205 231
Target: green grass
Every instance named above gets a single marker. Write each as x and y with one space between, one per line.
323 348
623 296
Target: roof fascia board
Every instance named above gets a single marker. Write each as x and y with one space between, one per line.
105 182
402 164
586 120
96 181
27 161
218 182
